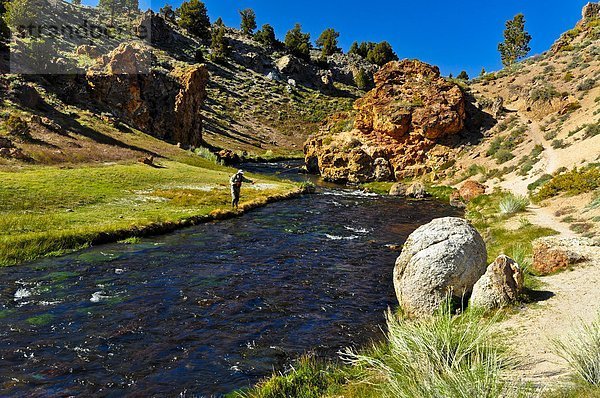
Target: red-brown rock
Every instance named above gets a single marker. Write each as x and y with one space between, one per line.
471 189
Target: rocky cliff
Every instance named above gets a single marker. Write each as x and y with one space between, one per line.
396 130
162 103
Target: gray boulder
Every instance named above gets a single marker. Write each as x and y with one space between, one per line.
445 257
499 286
398 189
416 190
382 170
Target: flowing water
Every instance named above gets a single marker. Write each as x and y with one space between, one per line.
208 309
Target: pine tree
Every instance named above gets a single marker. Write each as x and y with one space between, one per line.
193 16
266 36
167 12
132 6
219 22
354 48
328 42
298 43
483 72
219 47
248 21
381 54
361 79
463 75
516 41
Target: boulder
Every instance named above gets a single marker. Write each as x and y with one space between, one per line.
416 190
442 258
88 50
398 189
471 189
498 107
499 286
381 170
6 143
228 157
552 254
456 200
289 65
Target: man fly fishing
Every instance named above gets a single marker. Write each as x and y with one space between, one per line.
236 186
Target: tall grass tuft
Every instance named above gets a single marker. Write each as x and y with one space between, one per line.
511 204
443 356
205 153
581 350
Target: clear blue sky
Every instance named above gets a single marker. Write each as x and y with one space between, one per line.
452 34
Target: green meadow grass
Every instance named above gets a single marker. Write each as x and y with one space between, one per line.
50 210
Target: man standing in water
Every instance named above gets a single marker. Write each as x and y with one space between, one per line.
236 186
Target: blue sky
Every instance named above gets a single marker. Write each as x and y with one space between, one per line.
452 34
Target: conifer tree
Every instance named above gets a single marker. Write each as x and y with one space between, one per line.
219 47
381 54
266 36
248 21
516 41
328 42
193 16
298 43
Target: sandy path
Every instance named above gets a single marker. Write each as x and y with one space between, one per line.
576 298
575 295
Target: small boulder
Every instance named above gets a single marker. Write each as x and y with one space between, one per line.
499 286
88 50
552 254
498 107
471 189
381 170
445 257
398 189
456 200
416 190
228 157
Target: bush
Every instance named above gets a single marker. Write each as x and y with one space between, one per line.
16 126
539 182
558 144
592 130
193 16
503 156
582 352
205 153
543 93
362 80
550 135
574 182
511 204
586 85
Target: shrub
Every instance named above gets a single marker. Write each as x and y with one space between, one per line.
539 182
463 75
592 130
543 93
574 182
550 135
16 126
581 350
568 77
586 85
362 80
511 204
205 153
503 156
558 144
219 45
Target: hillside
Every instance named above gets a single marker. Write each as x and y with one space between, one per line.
260 100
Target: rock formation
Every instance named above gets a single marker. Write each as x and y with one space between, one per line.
410 110
499 286
590 11
445 257
164 104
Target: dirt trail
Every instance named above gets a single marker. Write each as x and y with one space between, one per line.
566 298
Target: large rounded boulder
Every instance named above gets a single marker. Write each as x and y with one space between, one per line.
445 257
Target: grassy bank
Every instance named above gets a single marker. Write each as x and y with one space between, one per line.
50 210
